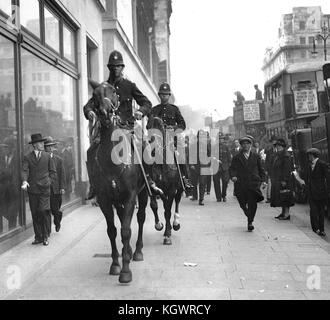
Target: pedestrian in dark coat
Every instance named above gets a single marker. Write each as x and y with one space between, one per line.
57 188
282 181
270 155
248 175
38 171
317 180
222 175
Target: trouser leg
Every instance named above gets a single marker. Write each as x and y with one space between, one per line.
243 201
55 205
34 207
91 168
225 181
217 186
314 215
321 215
194 179
252 206
202 187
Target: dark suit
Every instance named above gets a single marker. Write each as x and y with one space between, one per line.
58 184
250 174
39 173
318 186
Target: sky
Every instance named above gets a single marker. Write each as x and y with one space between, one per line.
217 48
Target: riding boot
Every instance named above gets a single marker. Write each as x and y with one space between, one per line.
91 192
153 187
187 184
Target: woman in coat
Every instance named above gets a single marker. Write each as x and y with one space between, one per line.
281 180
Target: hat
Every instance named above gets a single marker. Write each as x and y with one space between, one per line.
314 151
164 89
50 142
250 137
37 138
116 59
245 139
281 142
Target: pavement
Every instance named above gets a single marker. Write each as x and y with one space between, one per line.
213 257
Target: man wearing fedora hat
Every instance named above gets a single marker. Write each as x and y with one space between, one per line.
38 171
57 188
317 180
248 175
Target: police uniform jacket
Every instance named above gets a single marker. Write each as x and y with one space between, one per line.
39 173
127 91
171 116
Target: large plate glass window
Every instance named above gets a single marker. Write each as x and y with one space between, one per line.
52 30
49 109
9 174
30 16
69 44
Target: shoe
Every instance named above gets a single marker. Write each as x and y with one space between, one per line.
156 191
45 243
250 227
219 200
267 201
208 193
58 227
284 218
280 216
322 234
201 203
35 242
224 199
193 199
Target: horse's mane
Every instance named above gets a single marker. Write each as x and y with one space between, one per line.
155 123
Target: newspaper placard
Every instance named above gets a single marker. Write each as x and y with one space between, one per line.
251 110
306 101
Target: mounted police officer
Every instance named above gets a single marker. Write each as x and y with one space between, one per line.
127 91
173 120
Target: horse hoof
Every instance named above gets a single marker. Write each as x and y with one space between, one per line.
167 241
138 257
125 277
176 227
115 270
159 226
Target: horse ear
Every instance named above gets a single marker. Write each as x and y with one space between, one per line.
93 84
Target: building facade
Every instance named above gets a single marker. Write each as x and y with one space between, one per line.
294 89
49 49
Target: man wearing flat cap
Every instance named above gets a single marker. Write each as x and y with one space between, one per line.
317 179
57 188
38 171
248 174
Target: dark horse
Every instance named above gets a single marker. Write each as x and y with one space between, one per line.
167 178
119 183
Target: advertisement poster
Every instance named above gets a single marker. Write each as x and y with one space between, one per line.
251 110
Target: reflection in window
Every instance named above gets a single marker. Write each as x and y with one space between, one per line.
9 175
30 16
52 30
69 44
5 6
55 116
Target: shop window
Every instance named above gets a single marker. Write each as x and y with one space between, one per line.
56 119
52 30
30 16
69 51
9 173
302 40
311 40
5 7
302 25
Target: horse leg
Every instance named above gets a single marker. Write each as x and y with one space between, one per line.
108 212
141 217
176 223
168 214
126 234
154 207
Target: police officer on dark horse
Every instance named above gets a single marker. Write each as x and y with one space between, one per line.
118 184
168 117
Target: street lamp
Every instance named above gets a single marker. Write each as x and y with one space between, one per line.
324 35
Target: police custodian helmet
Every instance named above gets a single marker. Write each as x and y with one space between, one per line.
165 89
116 59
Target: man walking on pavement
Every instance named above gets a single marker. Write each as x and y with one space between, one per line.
270 156
127 92
223 173
173 120
57 188
38 172
248 175
317 180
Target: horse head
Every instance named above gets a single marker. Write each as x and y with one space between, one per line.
155 123
106 100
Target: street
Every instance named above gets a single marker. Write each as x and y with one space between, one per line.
213 257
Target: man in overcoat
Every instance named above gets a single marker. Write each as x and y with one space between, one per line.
248 174
317 180
38 171
57 188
